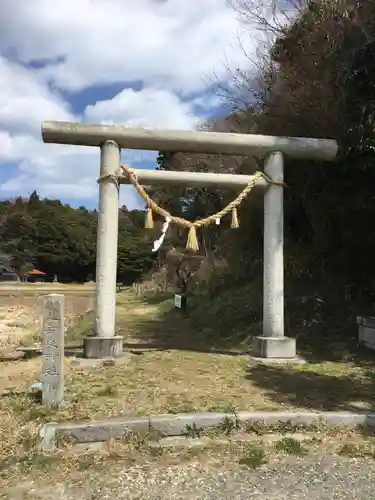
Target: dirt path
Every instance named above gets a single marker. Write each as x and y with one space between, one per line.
319 477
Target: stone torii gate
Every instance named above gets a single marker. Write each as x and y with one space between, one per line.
272 343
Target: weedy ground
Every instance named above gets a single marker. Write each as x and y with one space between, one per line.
173 368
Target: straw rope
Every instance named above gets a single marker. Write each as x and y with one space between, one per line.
192 241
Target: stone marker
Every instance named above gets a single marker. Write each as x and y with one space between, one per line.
180 301
366 331
53 350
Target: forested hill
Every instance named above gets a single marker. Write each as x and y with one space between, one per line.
61 240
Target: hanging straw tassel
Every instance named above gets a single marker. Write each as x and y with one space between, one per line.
149 222
192 241
235 224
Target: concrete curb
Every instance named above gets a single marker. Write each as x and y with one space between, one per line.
177 425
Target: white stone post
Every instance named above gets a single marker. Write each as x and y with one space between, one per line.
272 343
105 343
53 350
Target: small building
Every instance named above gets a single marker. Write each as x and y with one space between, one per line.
35 276
8 274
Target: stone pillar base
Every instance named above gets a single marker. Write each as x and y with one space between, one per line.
102 347
274 347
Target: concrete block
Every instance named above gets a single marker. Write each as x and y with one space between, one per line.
81 363
102 347
347 419
181 441
274 347
278 361
175 425
90 432
122 427
277 417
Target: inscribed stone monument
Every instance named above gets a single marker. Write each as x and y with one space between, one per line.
53 350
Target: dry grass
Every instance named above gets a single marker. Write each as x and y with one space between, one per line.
20 324
188 378
178 373
20 311
182 381
32 288
160 379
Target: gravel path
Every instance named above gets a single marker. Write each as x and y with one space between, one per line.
312 478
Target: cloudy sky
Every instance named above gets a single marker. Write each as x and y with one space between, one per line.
134 62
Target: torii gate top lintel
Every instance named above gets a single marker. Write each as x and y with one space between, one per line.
188 141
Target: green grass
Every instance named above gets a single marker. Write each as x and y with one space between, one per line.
254 456
231 319
290 446
82 327
359 449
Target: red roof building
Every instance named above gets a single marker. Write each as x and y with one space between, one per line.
35 272
34 275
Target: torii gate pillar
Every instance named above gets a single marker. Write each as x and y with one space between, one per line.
273 343
105 343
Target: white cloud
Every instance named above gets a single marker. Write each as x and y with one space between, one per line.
150 107
173 44
25 100
169 47
67 171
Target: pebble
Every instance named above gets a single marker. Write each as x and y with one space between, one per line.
285 478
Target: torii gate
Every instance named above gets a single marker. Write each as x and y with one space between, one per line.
110 138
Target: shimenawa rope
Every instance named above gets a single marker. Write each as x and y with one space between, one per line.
192 241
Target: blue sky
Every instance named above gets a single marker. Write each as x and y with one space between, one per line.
147 63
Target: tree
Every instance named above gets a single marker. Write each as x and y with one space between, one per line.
316 79
61 240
